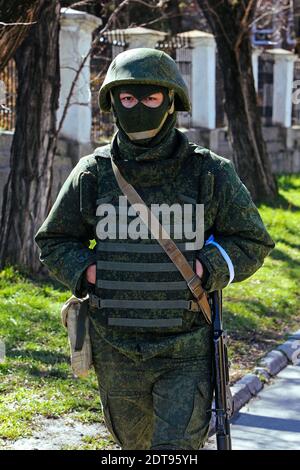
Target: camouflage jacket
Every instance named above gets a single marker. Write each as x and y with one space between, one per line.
65 235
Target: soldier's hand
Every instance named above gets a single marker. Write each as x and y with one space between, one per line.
91 274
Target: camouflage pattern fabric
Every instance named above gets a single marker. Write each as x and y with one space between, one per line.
139 270
160 403
228 208
151 372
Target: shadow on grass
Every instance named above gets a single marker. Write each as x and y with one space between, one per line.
249 326
43 359
295 246
279 255
280 202
44 356
293 231
287 181
47 281
41 279
39 373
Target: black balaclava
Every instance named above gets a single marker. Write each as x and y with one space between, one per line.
144 125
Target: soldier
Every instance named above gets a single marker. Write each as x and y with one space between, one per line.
152 353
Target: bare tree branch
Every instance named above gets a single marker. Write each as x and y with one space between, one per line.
110 21
244 25
267 13
17 18
19 23
219 21
82 3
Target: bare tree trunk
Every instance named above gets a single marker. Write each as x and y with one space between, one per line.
229 22
26 198
15 17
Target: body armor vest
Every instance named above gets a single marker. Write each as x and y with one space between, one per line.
138 288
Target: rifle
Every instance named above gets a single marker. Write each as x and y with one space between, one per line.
223 399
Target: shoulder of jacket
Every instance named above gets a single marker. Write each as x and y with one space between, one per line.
102 152
211 162
209 158
89 163
216 172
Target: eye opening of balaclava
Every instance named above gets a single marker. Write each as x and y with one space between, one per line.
141 123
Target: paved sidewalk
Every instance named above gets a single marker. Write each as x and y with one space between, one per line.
271 420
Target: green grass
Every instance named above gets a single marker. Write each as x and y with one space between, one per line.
93 443
36 379
261 311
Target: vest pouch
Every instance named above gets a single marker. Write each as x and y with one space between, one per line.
76 321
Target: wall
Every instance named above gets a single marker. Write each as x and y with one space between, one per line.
283 145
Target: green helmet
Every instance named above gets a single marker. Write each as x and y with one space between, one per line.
146 66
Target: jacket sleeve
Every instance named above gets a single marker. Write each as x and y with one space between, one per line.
64 236
238 228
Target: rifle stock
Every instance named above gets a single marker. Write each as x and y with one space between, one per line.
223 400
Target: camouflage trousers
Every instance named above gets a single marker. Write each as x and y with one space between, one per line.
160 403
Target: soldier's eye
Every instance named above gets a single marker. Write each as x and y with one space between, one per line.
128 100
154 100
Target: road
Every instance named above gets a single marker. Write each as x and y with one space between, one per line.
270 421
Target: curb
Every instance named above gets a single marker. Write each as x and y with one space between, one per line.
269 366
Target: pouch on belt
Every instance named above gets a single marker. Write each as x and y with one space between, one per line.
74 316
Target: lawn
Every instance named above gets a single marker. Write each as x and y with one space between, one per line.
35 379
260 312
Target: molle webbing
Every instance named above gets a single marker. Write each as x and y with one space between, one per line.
130 285
140 248
136 267
169 246
191 305
137 284
144 322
